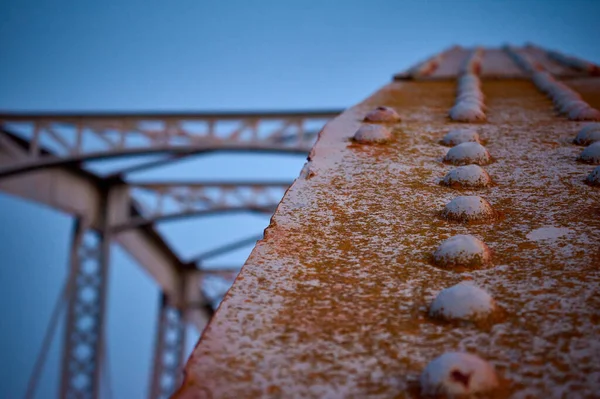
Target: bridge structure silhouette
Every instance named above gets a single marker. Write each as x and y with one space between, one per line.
48 158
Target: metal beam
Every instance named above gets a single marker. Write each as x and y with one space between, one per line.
53 162
233 115
223 249
83 345
169 350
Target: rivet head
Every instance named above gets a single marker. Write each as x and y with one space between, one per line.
468 153
463 301
586 113
593 178
591 154
457 374
466 111
467 176
469 208
382 115
459 136
462 251
570 105
373 134
588 134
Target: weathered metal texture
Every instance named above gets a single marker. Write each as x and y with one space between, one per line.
333 302
497 65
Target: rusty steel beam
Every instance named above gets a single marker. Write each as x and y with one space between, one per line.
361 286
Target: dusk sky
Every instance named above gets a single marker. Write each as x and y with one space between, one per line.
208 56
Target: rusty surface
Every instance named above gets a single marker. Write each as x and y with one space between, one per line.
332 303
496 64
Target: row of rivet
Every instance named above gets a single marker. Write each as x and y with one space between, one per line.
469 106
589 136
453 373
457 373
376 131
566 100
574 62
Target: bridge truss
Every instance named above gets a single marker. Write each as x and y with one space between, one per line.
47 158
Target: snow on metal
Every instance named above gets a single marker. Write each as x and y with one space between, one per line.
334 301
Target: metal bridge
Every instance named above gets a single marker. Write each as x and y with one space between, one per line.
47 158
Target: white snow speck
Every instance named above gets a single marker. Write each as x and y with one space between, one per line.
468 176
469 208
591 154
547 233
467 153
458 373
368 134
462 250
463 301
383 115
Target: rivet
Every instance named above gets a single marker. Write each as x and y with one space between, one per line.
593 178
588 134
464 111
373 134
462 251
591 154
468 106
468 153
467 176
469 208
382 115
463 301
459 136
585 113
457 374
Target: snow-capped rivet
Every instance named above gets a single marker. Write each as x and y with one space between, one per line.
588 134
464 111
459 136
462 251
593 178
468 153
457 374
463 301
467 176
469 208
373 134
586 113
383 115
570 105
591 154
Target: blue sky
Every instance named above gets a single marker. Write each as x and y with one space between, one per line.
207 55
